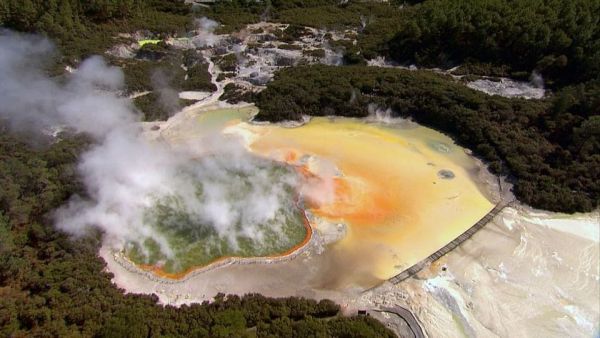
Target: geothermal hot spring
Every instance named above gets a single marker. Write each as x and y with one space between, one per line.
373 199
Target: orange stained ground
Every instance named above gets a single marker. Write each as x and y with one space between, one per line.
382 183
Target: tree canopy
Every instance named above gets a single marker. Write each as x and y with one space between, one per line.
559 39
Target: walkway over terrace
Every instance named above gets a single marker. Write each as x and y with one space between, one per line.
450 246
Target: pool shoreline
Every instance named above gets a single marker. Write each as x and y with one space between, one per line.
291 253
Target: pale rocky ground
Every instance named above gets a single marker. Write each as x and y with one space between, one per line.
259 54
490 85
508 88
526 274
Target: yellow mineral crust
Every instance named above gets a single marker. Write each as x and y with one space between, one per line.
382 183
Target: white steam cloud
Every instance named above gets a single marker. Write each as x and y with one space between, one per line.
537 80
168 97
205 36
30 100
378 114
124 173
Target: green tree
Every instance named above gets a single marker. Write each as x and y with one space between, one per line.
128 322
4 12
24 14
586 138
65 12
309 328
228 323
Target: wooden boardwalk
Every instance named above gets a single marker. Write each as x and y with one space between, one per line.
450 246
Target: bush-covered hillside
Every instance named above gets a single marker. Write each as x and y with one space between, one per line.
559 39
81 28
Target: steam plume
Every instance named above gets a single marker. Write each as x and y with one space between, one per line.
168 97
124 173
205 36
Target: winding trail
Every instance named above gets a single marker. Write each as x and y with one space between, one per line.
187 112
408 317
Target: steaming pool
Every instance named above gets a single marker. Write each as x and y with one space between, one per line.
384 195
194 242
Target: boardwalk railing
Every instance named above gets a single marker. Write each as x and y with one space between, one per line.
450 246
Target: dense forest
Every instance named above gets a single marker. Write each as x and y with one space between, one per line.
551 148
558 39
53 286
330 14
